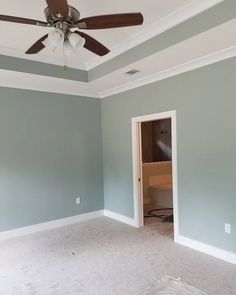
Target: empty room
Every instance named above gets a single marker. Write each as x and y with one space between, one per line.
117 147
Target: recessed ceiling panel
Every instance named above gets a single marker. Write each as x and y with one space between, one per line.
16 38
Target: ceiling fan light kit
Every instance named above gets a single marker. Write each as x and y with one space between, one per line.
68 48
71 41
48 44
76 40
56 37
67 26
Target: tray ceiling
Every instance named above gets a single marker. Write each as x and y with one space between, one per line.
16 38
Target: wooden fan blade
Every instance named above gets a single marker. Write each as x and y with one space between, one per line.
21 20
37 46
111 21
59 6
93 45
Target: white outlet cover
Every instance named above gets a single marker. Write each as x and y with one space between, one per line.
78 200
227 228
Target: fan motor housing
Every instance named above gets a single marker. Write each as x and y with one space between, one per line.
72 20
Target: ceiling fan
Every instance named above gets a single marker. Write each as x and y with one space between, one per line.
67 24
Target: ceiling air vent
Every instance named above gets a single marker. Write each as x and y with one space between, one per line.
132 72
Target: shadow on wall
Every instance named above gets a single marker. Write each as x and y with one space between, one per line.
156 141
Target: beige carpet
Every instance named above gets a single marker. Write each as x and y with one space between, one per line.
104 257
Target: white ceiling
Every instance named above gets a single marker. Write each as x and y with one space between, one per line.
211 46
16 38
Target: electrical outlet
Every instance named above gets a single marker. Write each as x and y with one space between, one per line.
227 228
77 200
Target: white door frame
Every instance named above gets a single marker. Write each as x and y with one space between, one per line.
137 165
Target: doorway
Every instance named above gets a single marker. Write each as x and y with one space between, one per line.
154 150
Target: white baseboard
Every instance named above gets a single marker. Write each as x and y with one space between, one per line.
119 217
23 231
193 244
207 249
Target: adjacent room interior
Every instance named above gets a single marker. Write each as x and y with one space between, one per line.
117 147
157 175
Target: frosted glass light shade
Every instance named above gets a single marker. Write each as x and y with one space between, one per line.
49 45
56 37
68 48
76 40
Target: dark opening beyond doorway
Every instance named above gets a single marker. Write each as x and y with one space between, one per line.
157 175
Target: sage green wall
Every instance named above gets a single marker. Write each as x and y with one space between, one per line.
50 152
205 103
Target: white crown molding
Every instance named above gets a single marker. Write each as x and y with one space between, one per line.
17 84
166 23
32 229
176 70
207 249
170 72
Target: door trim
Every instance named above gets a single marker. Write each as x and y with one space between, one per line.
137 171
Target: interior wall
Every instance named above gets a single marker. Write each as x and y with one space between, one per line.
206 140
162 140
147 142
156 141
50 153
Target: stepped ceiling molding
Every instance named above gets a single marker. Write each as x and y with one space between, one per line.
177 36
